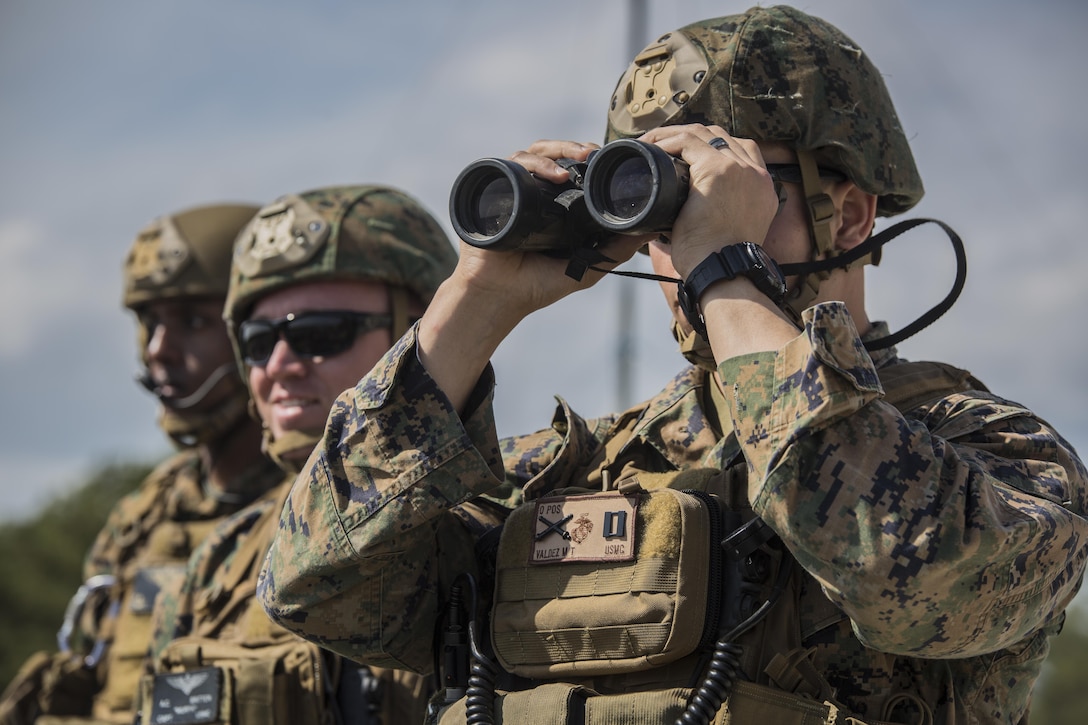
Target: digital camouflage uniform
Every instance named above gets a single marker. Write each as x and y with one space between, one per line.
262 673
950 544
931 533
151 532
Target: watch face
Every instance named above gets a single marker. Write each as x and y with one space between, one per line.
771 283
759 254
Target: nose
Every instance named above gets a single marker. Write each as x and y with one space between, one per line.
283 361
160 343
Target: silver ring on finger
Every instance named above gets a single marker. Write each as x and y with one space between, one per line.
719 143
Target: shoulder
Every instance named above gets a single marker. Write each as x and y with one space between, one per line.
151 498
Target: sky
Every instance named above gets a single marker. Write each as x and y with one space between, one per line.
113 113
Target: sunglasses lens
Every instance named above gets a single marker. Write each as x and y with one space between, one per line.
320 335
256 338
310 334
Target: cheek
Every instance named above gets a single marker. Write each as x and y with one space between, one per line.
661 260
788 236
260 387
662 264
208 349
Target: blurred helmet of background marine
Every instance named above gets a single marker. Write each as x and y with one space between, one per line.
366 233
776 74
185 257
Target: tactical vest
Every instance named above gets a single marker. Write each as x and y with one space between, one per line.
661 598
160 525
237 667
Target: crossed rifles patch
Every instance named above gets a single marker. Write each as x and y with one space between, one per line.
599 527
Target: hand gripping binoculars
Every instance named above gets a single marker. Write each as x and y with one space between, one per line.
625 187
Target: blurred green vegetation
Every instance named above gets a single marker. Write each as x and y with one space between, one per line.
41 561
1061 695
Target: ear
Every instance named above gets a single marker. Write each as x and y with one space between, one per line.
857 213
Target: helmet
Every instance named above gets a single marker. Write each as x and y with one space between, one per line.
371 233
342 232
775 74
185 255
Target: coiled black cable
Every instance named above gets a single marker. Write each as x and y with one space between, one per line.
480 694
718 682
721 674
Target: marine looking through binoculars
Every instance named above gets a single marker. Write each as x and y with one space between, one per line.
625 187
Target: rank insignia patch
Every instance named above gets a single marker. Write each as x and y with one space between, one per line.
598 527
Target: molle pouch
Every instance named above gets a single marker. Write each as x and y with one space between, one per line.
606 583
211 682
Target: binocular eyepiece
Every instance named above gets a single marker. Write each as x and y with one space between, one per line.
626 187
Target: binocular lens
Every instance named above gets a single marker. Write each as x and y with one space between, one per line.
626 187
633 187
630 189
498 204
491 206
484 204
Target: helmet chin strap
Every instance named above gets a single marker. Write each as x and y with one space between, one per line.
188 429
399 302
278 447
145 379
820 211
192 429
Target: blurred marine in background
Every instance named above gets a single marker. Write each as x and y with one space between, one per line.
176 277
322 283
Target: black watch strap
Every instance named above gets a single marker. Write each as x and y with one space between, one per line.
737 260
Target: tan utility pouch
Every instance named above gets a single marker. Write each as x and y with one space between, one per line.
603 583
212 682
562 703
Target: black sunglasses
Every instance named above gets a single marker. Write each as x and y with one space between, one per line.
309 334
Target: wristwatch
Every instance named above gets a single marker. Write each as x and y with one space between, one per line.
737 260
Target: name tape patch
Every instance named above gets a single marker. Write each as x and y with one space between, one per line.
186 698
600 527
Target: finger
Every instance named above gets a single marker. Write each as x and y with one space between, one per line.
540 157
541 166
687 138
621 247
740 146
557 149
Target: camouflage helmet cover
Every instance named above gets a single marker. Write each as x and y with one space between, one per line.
338 233
775 74
186 254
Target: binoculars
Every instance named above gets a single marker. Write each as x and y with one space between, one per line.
625 187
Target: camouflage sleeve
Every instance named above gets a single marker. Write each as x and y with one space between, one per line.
373 532
954 532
